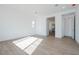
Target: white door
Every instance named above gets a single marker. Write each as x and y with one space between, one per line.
69 26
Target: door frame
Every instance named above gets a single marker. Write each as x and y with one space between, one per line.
47 25
74 26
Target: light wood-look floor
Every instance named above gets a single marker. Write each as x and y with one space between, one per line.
48 46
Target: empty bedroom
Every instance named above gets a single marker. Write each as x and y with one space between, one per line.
39 29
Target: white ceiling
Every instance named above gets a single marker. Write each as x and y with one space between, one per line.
42 9
52 8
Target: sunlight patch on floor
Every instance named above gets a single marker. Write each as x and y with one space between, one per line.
28 44
32 47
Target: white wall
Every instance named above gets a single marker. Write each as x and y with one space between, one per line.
58 26
77 24
16 21
41 26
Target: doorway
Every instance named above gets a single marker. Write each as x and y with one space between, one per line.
51 26
69 25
